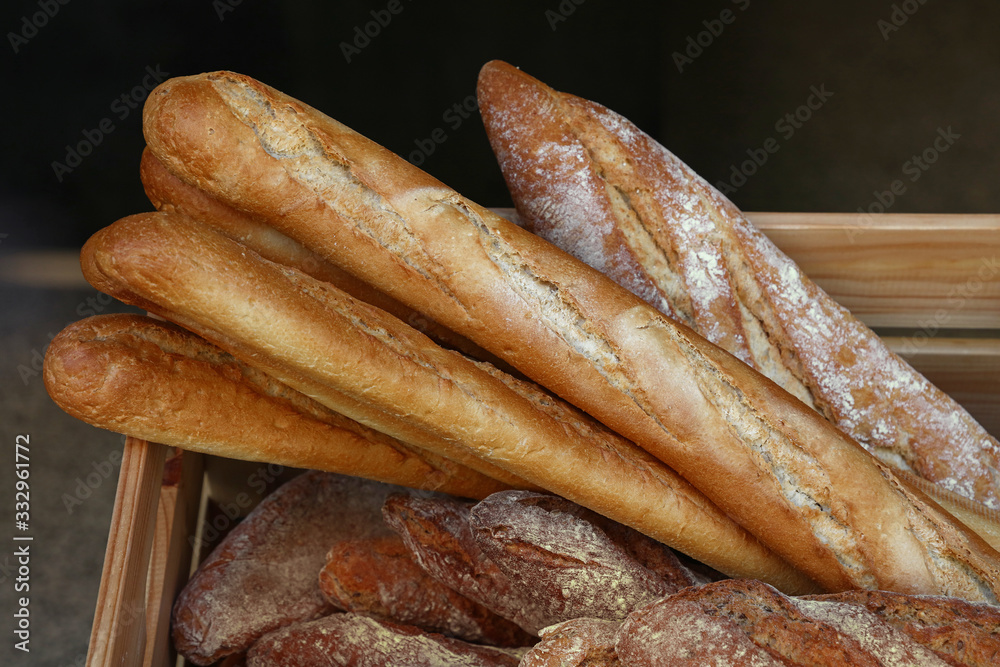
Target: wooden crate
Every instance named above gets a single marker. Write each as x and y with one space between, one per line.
929 283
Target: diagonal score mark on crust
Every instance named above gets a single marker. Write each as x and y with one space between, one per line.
358 316
770 444
559 314
297 147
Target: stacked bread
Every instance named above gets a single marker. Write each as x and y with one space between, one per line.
342 571
352 314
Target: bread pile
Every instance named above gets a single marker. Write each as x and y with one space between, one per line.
335 308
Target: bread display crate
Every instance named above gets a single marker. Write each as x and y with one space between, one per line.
930 284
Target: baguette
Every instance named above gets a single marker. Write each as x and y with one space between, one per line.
153 380
591 182
168 193
776 466
360 361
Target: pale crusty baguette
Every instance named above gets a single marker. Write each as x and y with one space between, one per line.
168 193
594 184
153 380
362 362
775 465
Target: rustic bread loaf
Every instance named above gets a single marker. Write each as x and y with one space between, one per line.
745 622
353 640
597 186
264 574
581 642
378 577
570 562
438 535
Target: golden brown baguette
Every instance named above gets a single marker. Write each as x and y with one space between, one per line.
594 184
153 380
786 474
362 362
168 193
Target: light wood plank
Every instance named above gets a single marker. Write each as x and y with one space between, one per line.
170 561
925 272
119 634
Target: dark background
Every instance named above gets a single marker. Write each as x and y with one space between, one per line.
940 71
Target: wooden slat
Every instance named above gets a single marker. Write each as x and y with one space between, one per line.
170 560
925 272
119 635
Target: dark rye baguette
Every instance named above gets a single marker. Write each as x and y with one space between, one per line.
263 575
378 577
781 470
370 366
594 184
151 379
168 193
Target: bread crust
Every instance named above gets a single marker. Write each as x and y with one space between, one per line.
168 193
360 361
263 575
597 186
353 640
714 420
151 379
378 577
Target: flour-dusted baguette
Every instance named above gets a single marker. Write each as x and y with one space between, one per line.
168 193
153 380
570 562
372 367
378 577
264 574
772 463
353 640
596 185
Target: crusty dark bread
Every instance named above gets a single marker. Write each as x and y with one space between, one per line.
770 462
964 632
153 380
745 622
597 186
362 362
570 562
438 534
379 577
581 642
264 573
353 640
